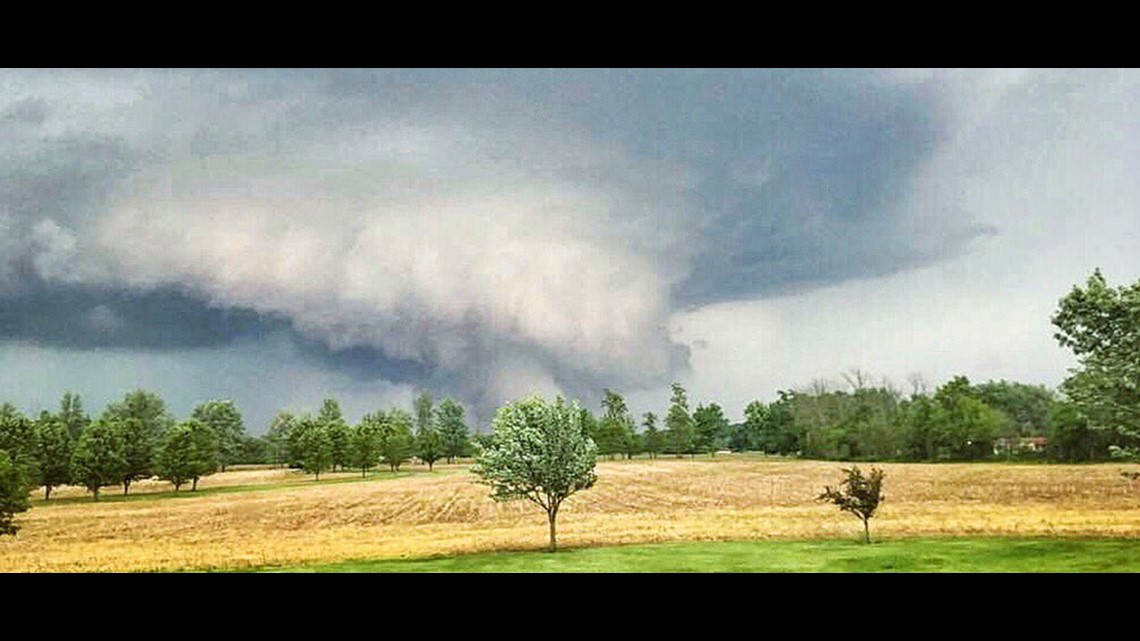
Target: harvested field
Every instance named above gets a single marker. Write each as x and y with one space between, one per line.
641 501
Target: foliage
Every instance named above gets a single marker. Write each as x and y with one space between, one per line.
540 452
654 439
1101 325
188 453
53 453
452 429
860 495
680 434
14 487
366 442
224 418
397 442
97 460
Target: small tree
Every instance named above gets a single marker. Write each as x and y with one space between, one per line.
316 449
53 451
396 442
224 418
174 457
654 438
366 441
541 452
429 446
452 429
14 487
97 460
859 495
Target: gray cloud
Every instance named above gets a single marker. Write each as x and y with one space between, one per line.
488 232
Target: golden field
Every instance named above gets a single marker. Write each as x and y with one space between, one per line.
641 501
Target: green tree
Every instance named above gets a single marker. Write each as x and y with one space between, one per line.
452 429
14 488
424 412
366 442
540 452
97 460
967 427
138 449
205 452
315 446
429 446
709 424
397 442
174 457
1101 325
617 426
72 414
17 437
277 436
187 454
53 453
224 417
860 495
680 433
654 438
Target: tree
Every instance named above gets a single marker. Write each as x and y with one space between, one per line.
174 457
17 437
53 453
138 450
654 439
141 419
424 412
14 488
204 455
709 424
397 443
315 447
224 417
1101 325
617 426
541 452
429 446
680 433
452 429
277 436
97 460
860 495
366 442
72 414
187 454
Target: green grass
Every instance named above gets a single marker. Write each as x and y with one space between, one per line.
901 555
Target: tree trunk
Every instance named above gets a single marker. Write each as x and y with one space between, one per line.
363 472
194 488
430 465
96 493
126 486
47 492
866 532
552 515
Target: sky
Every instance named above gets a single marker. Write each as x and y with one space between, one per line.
281 236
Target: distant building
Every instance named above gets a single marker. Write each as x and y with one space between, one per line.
1020 445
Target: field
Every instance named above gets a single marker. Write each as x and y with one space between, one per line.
255 518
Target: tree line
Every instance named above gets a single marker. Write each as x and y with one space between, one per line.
138 438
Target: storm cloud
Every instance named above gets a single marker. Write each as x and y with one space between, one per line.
485 233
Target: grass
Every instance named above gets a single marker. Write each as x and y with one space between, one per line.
256 518
902 555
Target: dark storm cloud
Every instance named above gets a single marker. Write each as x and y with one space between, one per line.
716 185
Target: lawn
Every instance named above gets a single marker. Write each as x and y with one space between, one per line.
903 555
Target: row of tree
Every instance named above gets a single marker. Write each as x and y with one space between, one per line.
864 420
327 442
138 438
